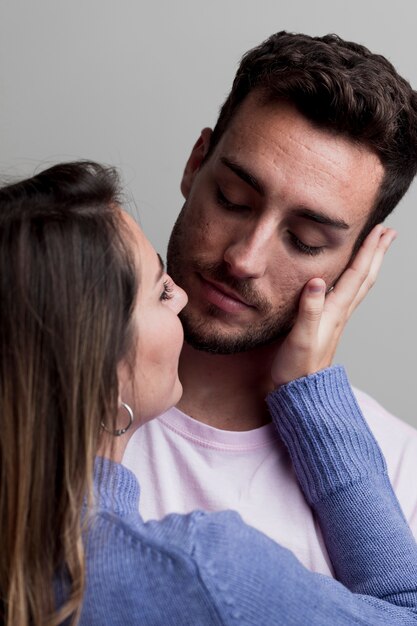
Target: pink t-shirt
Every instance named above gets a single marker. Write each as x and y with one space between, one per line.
183 465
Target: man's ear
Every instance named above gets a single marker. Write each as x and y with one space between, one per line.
195 160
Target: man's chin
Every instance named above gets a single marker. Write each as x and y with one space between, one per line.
218 343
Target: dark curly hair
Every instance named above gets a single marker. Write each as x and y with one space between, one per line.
339 86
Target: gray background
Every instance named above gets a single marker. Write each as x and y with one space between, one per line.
131 83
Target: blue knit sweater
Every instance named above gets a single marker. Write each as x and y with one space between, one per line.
211 568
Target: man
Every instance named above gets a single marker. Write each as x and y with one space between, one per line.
316 143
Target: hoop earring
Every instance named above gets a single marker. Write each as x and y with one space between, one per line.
120 431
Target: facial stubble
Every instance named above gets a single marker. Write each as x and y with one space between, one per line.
202 329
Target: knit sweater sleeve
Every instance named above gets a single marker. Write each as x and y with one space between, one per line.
344 478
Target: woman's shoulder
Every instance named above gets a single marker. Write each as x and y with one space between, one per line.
174 536
192 567
154 569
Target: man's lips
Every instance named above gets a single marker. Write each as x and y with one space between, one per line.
223 297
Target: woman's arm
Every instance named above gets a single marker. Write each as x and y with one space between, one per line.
344 478
335 456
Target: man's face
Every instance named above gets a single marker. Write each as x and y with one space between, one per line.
278 202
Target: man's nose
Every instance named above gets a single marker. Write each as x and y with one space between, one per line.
247 255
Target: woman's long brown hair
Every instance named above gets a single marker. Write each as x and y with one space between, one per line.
67 288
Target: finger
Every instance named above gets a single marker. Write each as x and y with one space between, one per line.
348 285
386 239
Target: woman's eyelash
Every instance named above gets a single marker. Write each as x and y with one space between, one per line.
304 248
167 292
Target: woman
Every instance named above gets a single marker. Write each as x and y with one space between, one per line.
90 341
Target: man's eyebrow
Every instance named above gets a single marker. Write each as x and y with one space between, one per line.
161 268
243 174
321 218
309 214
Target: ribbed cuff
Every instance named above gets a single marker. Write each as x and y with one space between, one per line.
328 440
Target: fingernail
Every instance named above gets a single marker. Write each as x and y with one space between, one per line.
315 288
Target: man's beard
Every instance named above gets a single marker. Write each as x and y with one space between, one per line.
199 332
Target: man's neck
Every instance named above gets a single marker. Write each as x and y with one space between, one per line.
226 391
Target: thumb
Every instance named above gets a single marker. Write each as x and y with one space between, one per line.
311 306
297 353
